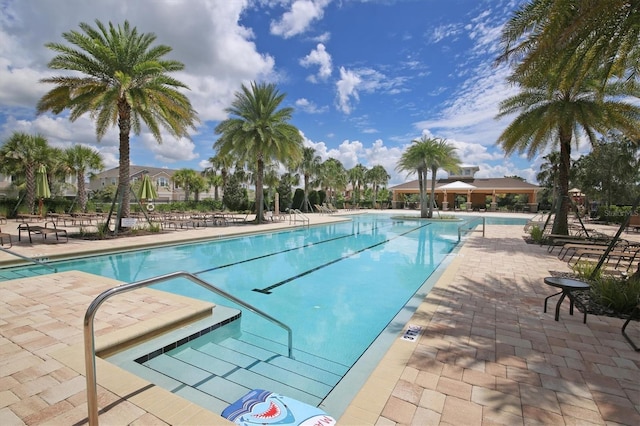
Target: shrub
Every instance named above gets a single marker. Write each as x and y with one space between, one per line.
619 294
536 234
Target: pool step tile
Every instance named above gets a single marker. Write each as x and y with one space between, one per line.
204 361
175 368
291 379
225 354
254 380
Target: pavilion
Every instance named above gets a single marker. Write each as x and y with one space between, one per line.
474 190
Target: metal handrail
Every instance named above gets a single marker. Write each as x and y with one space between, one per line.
29 259
295 213
89 338
467 223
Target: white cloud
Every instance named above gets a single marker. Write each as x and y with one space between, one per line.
310 107
298 19
319 57
347 88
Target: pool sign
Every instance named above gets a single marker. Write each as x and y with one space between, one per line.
412 332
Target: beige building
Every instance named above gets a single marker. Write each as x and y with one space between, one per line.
475 191
161 178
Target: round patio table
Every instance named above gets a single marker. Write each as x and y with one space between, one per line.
566 286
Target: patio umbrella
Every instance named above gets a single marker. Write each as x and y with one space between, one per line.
147 190
42 187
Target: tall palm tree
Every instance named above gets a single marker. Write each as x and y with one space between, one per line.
553 118
308 167
377 176
25 152
259 132
81 159
124 81
357 179
428 154
332 177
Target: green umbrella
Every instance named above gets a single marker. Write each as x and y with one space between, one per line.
147 190
42 186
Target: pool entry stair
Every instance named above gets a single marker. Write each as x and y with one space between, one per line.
214 363
216 370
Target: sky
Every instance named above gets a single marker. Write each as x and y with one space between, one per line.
364 77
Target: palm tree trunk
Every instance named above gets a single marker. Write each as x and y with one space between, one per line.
259 191
433 190
124 124
560 224
82 192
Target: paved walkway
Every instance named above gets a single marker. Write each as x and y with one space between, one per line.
487 354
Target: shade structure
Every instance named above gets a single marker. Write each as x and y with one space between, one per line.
457 185
147 190
42 187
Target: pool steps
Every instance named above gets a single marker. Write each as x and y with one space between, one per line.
219 367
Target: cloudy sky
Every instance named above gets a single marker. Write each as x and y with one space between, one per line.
365 77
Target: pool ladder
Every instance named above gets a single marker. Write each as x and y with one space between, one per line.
296 215
467 226
89 337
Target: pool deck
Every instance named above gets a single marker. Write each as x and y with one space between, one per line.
486 355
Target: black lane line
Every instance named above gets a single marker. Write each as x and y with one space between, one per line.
251 259
267 290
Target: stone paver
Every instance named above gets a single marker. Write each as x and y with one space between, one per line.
487 355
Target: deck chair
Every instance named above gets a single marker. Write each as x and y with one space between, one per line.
5 237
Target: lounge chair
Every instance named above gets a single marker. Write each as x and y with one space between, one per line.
5 237
634 222
42 230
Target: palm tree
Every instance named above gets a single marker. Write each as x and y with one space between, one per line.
428 154
357 179
377 176
309 168
259 132
124 82
80 159
332 177
24 152
552 118
570 39
185 179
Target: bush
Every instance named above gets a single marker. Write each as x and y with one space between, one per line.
536 234
619 294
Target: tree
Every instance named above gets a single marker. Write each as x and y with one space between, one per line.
79 160
570 39
124 82
332 177
428 154
552 118
25 153
377 176
259 132
235 197
309 168
186 179
357 178
611 172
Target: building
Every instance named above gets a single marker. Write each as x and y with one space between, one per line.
474 191
167 190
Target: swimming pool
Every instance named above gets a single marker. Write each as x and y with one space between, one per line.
338 286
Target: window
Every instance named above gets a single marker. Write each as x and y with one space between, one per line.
163 182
